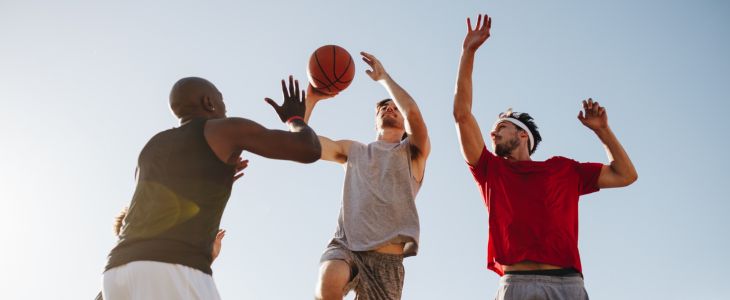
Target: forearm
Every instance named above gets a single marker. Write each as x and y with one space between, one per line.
402 99
309 107
620 163
463 90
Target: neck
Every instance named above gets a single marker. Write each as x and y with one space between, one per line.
187 118
519 155
389 135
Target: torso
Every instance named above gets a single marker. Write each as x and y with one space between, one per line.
529 266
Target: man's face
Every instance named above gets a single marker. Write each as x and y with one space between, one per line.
388 116
505 138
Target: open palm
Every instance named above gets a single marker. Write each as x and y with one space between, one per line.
476 36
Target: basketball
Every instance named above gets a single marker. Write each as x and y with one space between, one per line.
330 69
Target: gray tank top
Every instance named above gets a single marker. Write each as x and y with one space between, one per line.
378 198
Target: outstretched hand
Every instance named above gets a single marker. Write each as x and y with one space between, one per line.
476 36
293 105
595 117
378 71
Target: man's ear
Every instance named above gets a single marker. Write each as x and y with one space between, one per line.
207 103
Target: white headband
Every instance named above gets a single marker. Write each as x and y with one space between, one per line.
519 124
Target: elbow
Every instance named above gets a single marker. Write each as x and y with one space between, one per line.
629 179
312 153
461 115
632 178
312 156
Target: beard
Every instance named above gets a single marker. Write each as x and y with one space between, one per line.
506 148
389 123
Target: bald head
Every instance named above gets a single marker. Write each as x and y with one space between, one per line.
195 96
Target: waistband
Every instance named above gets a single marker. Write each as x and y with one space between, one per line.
531 279
554 272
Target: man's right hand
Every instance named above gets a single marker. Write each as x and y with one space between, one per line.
477 36
293 105
315 96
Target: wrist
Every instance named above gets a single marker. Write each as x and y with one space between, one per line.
602 130
468 51
293 119
385 79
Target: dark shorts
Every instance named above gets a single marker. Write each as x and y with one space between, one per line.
374 276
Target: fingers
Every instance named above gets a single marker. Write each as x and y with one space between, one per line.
593 108
488 23
479 21
283 89
468 24
292 92
272 103
367 61
368 58
304 95
299 94
242 164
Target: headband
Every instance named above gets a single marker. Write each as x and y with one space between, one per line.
519 124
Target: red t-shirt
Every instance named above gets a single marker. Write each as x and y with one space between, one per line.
533 208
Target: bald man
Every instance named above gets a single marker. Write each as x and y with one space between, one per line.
184 180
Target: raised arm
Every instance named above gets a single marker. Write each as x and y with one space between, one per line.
470 136
334 151
414 124
229 136
620 171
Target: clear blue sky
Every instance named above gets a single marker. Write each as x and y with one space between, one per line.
84 85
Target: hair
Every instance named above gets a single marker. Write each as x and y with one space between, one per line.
382 103
529 122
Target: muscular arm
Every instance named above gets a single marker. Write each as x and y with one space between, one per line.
334 151
620 171
467 128
414 124
232 135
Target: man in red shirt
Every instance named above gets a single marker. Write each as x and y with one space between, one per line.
532 206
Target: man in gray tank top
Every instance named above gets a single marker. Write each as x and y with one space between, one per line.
378 222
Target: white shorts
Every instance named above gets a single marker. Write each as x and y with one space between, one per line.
157 280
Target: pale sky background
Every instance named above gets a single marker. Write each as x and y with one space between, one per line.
84 85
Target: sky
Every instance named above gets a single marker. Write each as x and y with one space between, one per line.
84 85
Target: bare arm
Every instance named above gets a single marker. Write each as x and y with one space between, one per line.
334 151
299 144
470 136
414 124
620 171
228 137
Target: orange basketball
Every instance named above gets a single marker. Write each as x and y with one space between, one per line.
330 69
